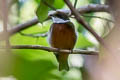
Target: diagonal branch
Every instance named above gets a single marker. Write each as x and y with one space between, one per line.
23 26
84 23
18 28
49 49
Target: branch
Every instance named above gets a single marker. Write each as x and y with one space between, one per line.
93 8
84 9
35 35
18 28
84 23
98 18
23 26
38 47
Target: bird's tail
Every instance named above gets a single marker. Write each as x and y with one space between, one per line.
63 61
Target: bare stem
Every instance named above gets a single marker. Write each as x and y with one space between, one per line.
50 49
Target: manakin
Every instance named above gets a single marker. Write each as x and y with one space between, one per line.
62 35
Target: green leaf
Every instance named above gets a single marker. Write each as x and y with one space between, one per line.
58 4
34 70
42 10
37 1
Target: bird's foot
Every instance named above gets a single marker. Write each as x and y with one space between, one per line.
56 53
71 51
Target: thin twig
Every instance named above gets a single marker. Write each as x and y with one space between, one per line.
35 35
50 49
98 18
84 23
75 3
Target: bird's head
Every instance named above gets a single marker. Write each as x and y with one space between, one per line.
60 17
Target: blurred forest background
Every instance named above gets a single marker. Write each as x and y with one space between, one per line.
30 64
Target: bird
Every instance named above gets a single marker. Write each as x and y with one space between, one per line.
62 35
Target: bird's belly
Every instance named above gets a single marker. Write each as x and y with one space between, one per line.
63 38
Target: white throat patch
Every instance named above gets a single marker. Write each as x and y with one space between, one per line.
59 20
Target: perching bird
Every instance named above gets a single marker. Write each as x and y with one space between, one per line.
62 35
